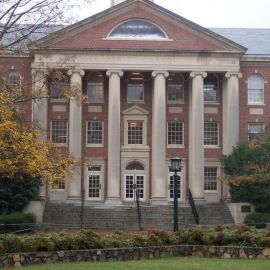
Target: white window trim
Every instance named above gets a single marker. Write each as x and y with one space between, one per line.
59 144
214 146
95 162
181 185
142 118
251 123
94 145
217 165
175 101
262 103
176 145
216 102
136 101
166 38
59 189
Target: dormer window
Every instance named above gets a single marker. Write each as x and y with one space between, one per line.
137 29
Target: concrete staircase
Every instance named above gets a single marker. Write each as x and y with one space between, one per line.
124 217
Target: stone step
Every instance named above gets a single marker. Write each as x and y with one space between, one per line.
126 218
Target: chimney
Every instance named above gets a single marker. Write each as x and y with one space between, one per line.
116 2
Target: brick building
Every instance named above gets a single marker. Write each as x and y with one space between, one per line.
158 85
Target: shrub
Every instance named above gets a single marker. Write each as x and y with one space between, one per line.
17 222
257 219
242 236
15 194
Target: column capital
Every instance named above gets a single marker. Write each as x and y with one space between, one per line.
39 72
81 72
239 75
193 74
160 72
110 72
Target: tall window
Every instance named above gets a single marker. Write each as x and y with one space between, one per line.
95 87
210 89
58 184
254 130
94 133
255 89
175 133
175 88
94 182
210 178
211 134
14 80
58 85
59 131
135 132
135 87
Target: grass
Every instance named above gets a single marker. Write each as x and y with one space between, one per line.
174 263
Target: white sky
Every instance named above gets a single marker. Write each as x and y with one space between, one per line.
208 13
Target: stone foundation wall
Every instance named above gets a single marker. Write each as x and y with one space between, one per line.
125 254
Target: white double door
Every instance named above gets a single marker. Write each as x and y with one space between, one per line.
134 181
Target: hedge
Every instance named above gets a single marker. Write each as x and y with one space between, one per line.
257 219
16 222
86 239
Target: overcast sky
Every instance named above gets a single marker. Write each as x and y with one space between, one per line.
208 13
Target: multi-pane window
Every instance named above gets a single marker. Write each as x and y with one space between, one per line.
58 85
135 132
94 132
210 178
59 131
14 80
58 89
171 186
94 182
175 88
255 89
95 87
210 133
58 184
135 87
254 130
210 89
175 133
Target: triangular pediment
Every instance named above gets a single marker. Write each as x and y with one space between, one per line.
92 33
135 110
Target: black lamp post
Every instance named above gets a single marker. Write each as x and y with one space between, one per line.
175 166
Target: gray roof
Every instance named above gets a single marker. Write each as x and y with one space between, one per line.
257 41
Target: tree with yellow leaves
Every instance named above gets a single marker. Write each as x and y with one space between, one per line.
22 151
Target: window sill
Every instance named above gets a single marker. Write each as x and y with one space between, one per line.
256 104
95 145
175 146
60 145
58 190
60 100
211 191
94 102
135 102
175 102
211 146
211 103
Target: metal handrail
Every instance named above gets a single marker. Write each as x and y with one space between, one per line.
193 208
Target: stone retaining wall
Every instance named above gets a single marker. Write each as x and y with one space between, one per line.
125 254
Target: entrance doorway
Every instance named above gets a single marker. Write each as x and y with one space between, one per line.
134 179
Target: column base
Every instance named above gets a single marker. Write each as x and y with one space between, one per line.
113 201
74 198
199 200
159 201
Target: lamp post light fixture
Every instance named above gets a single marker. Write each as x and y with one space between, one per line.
175 166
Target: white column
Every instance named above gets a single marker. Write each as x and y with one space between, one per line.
230 112
40 104
75 131
196 136
159 170
40 109
114 174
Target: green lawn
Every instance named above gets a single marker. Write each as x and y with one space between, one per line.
162 264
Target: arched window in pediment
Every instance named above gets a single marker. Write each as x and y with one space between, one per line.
137 29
